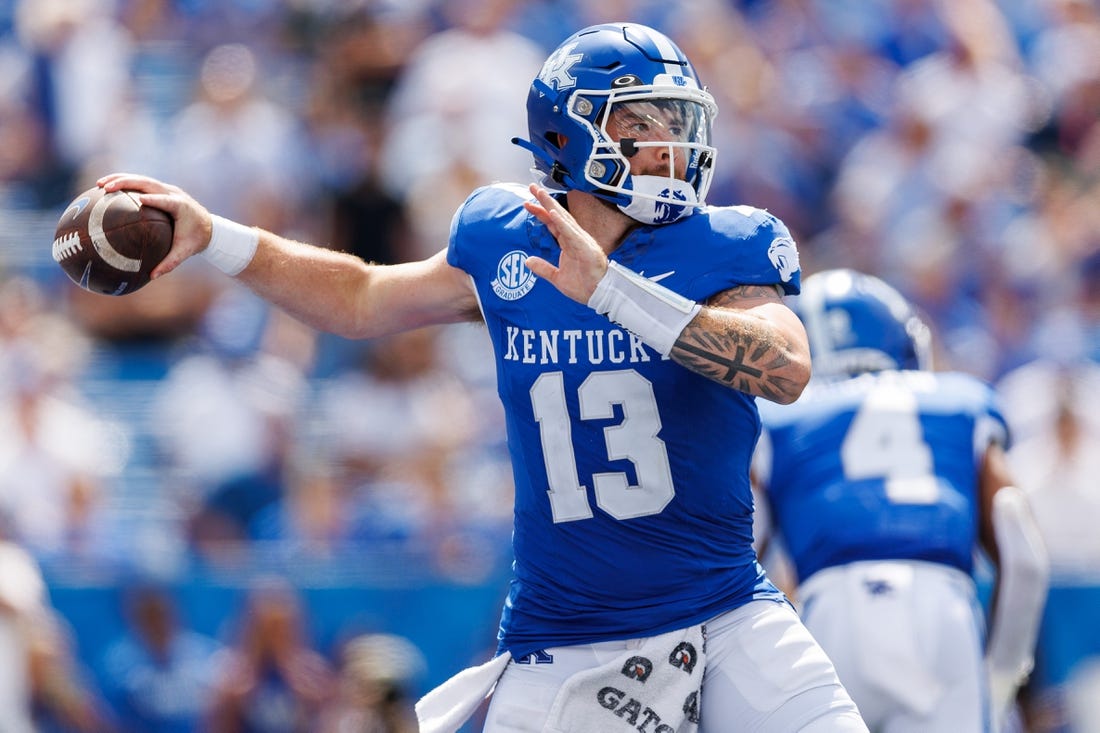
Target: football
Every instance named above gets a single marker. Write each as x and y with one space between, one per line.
109 243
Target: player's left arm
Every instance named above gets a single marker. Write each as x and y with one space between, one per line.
744 337
1012 539
747 338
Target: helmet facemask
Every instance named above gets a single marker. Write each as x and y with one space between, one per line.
651 153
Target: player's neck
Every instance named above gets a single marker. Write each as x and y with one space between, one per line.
607 225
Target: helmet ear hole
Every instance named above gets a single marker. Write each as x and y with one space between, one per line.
557 170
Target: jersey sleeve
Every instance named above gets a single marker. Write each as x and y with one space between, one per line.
479 221
756 249
991 427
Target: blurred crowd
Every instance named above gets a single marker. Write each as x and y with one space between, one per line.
951 147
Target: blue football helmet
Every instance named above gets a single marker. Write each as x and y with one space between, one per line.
608 92
857 323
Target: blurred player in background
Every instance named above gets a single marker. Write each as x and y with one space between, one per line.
23 603
881 480
633 329
272 678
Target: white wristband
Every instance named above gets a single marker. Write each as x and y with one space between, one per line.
232 245
650 311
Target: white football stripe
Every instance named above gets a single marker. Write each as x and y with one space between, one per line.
110 255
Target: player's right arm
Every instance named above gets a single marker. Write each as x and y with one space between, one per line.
338 292
327 290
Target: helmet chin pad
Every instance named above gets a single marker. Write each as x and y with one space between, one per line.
659 200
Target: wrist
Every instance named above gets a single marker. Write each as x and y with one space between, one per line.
232 246
650 311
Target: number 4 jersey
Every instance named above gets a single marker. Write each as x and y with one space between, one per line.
633 510
880 467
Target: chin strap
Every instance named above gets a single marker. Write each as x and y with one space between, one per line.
1023 577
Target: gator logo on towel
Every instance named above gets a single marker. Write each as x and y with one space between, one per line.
638 668
691 707
684 656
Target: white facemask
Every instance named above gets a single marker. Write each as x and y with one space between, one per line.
651 202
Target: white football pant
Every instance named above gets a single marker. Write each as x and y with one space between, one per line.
764 674
906 639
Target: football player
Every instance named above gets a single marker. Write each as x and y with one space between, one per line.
881 480
634 327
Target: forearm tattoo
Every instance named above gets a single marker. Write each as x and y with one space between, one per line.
737 349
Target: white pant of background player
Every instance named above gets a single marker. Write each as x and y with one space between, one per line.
906 640
764 674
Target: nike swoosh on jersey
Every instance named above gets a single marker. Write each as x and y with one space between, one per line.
658 278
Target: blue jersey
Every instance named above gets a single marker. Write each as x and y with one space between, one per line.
633 510
883 466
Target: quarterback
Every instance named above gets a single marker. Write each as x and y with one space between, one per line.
634 326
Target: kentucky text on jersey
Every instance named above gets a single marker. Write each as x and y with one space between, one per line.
572 346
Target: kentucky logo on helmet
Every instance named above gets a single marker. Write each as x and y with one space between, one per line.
513 280
555 72
675 80
784 257
638 668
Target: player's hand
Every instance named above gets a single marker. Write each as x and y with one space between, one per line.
193 225
582 263
1003 687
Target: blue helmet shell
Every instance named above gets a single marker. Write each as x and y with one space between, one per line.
858 323
591 70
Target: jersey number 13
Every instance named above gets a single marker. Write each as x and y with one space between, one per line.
634 439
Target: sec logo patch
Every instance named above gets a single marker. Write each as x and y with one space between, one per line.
513 280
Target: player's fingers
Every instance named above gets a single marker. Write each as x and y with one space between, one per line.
164 202
166 266
192 228
182 248
110 178
563 227
132 182
539 213
541 268
555 212
543 197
